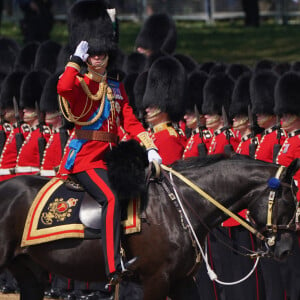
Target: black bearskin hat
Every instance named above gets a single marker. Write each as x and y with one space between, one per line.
262 88
26 57
287 94
295 66
218 68
129 81
89 20
166 87
46 56
236 70
134 62
32 88
139 89
158 33
9 50
207 66
282 67
264 64
11 89
49 97
241 96
195 85
63 57
217 92
187 61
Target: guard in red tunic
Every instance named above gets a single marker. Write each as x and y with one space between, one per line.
262 90
287 105
262 96
31 153
198 143
164 105
19 129
97 105
217 95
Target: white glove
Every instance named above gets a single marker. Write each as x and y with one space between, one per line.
153 155
81 50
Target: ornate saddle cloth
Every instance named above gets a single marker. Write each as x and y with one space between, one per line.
60 211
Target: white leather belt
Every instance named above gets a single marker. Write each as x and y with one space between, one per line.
47 173
6 171
26 169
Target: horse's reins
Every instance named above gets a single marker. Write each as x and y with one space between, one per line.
215 202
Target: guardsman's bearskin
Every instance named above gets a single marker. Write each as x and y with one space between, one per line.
217 92
195 85
129 82
9 50
188 62
262 88
287 94
63 57
282 67
26 57
158 33
139 89
166 87
219 67
32 88
134 62
49 97
241 96
264 64
206 66
11 88
46 56
89 20
295 66
236 70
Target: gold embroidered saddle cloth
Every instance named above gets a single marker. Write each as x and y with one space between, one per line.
61 210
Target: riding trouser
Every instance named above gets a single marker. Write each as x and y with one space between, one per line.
96 182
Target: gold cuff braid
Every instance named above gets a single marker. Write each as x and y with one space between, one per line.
146 140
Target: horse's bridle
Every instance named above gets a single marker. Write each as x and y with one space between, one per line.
272 227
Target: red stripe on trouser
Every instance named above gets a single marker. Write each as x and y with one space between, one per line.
109 218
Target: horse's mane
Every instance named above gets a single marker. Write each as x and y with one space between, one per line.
191 162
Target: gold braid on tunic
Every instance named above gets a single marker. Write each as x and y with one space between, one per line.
103 90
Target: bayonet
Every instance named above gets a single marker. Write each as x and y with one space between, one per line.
253 144
251 121
202 151
17 113
225 118
19 135
228 149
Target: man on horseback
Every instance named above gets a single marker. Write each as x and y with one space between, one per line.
97 105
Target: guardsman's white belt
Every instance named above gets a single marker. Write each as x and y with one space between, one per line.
26 169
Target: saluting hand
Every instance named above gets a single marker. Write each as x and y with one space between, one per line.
81 50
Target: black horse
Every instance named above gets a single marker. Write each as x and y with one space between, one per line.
166 255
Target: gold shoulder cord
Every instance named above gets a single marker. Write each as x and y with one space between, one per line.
103 90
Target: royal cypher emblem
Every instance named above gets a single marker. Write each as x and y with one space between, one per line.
58 210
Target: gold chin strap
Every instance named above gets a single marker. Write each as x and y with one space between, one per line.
272 197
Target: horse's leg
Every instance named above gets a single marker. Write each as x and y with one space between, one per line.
185 289
155 287
31 278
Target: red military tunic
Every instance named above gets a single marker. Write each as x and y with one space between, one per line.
53 154
219 140
289 151
264 151
28 160
191 148
9 154
92 152
170 143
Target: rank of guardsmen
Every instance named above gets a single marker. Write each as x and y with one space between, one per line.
176 107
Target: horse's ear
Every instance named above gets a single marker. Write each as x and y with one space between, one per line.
291 170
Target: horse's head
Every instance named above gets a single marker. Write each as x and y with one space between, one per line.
274 211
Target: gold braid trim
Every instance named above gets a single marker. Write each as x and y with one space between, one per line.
73 65
103 90
146 140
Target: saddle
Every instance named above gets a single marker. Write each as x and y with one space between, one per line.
63 209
